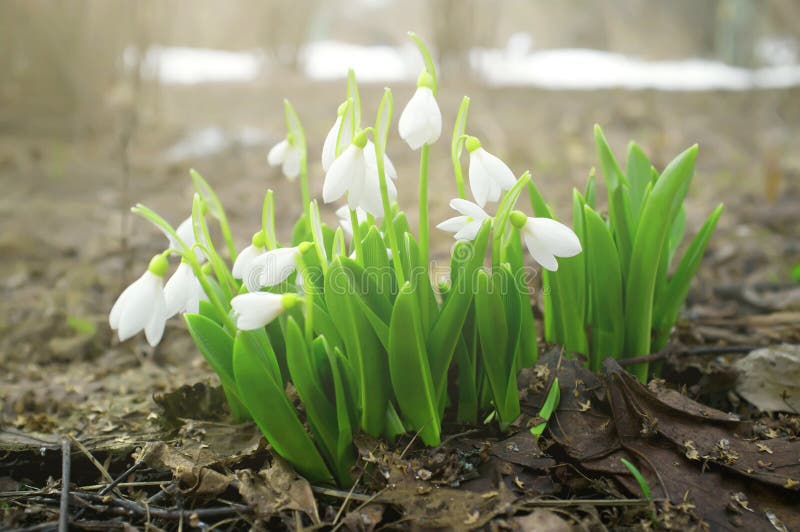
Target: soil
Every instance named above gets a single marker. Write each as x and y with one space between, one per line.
67 248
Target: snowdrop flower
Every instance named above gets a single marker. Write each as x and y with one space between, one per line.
467 225
142 306
488 175
421 120
371 200
272 268
342 124
343 213
244 260
257 309
286 154
183 291
185 232
546 239
347 174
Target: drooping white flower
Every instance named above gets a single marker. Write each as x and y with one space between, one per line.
347 174
257 309
421 120
286 155
371 200
185 232
343 213
271 268
142 306
183 291
467 225
343 124
244 260
546 239
488 175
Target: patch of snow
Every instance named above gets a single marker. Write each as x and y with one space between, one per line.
210 141
326 60
181 65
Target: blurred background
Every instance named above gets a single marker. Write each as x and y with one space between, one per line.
106 103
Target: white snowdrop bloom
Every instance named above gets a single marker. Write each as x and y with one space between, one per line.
244 260
183 291
343 124
488 175
467 225
257 309
421 120
371 200
271 268
185 232
546 239
287 156
347 174
343 213
141 306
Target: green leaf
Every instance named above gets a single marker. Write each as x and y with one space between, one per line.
549 406
426 58
361 345
493 331
457 145
607 316
590 192
274 413
608 163
215 344
467 259
376 262
638 172
409 369
528 340
678 287
648 245
344 456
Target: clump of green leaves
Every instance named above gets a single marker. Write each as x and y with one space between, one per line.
621 298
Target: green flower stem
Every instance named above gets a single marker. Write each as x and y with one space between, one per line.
268 220
424 252
385 111
457 146
356 236
209 195
309 302
201 229
295 129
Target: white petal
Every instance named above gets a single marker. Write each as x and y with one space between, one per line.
138 305
358 177
371 200
494 191
495 168
277 265
257 309
370 156
540 254
154 329
178 290
291 165
469 231
244 260
552 236
329 147
467 208
454 225
421 120
479 181
339 177
277 154
185 232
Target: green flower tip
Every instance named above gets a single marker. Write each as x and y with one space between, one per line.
304 246
360 140
259 240
518 219
158 265
207 269
425 80
290 139
342 108
472 144
289 300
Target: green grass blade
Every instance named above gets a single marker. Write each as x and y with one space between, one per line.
549 406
